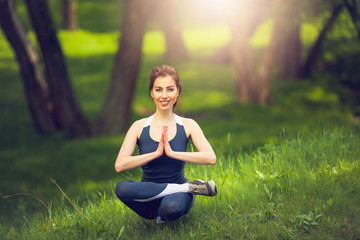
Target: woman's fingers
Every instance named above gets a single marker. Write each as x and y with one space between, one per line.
164 133
167 147
161 148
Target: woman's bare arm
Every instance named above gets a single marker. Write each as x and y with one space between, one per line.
125 159
205 154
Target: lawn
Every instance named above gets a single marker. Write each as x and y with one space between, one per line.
289 170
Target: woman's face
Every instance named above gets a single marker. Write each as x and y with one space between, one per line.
164 93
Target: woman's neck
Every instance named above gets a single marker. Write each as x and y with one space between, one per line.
164 116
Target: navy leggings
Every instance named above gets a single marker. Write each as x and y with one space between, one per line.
169 207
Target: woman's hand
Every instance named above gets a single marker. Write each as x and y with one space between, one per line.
125 159
167 148
204 154
160 150
164 146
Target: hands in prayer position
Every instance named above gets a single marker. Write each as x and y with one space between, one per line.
164 145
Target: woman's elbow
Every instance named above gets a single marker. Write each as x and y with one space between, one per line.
212 160
119 164
119 168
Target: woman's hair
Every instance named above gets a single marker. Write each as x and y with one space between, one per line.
163 71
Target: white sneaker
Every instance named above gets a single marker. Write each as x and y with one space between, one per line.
200 187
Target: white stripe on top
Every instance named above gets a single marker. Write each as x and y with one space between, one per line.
149 120
178 120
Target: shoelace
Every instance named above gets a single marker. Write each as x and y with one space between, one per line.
201 187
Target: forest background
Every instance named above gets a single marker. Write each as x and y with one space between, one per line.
275 86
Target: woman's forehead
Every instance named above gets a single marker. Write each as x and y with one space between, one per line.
164 81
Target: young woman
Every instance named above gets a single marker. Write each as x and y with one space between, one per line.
164 193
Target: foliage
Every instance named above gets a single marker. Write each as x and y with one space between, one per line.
289 170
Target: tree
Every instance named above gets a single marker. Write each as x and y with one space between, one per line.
288 55
166 14
252 85
284 51
223 55
316 47
68 113
57 90
115 113
69 20
35 86
352 7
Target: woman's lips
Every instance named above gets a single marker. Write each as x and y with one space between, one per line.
164 103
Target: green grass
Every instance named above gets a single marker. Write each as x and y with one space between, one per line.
289 170
307 186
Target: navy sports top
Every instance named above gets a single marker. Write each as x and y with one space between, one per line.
163 169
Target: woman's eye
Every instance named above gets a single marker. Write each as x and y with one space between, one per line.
158 90
170 89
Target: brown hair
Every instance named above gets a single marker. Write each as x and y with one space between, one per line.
163 71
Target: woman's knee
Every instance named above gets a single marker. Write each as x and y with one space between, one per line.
123 189
171 211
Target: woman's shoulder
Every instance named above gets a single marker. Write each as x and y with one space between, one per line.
139 123
189 123
137 126
187 120
191 127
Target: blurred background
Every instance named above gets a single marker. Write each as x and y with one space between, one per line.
74 75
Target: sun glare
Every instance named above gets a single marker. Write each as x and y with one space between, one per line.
225 11
224 7
210 10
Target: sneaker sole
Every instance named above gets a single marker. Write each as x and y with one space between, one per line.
212 188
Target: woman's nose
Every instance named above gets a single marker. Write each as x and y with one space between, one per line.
164 94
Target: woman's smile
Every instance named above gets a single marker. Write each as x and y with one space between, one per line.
164 92
164 103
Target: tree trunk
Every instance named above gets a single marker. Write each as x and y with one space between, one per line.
290 64
251 85
316 48
36 89
66 108
165 12
289 29
69 20
115 114
223 54
244 66
353 11
262 86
